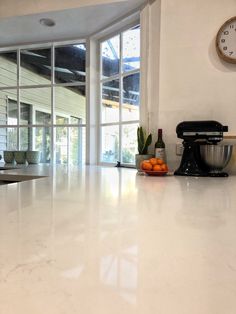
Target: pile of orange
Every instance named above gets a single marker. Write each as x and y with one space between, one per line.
154 164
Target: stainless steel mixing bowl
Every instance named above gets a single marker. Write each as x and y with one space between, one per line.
216 157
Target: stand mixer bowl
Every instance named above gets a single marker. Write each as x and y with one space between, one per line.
216 157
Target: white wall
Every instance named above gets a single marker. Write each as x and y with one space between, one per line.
150 61
193 82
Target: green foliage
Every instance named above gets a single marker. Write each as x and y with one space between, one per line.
127 156
143 141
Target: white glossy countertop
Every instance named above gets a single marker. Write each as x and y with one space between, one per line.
107 241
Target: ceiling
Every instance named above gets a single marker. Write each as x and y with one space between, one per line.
70 24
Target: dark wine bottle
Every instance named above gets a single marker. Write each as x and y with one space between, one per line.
160 147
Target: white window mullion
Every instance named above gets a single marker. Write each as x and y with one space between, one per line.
128 73
18 99
122 123
53 137
110 78
88 104
33 117
99 153
121 97
43 86
68 145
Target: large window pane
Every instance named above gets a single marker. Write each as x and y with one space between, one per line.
77 145
120 77
71 101
129 143
34 105
110 143
110 101
3 140
131 99
8 139
25 114
26 141
131 49
42 143
35 138
42 117
12 113
3 108
8 107
62 120
61 145
35 66
32 99
111 57
8 68
70 145
11 140
70 63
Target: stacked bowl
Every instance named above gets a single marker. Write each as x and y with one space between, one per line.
20 157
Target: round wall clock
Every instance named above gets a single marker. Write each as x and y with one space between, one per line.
226 41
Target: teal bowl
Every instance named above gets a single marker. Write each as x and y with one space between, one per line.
20 157
8 156
33 156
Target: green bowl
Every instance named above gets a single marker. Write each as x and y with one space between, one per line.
8 156
20 157
33 156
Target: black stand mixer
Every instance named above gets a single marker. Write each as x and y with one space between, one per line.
202 156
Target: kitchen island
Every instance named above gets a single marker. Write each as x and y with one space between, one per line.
97 240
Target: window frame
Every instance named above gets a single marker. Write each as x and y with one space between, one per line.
52 85
120 76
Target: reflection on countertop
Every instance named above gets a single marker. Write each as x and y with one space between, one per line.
106 240
19 173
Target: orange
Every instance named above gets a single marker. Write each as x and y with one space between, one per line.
159 161
146 165
157 168
153 161
164 167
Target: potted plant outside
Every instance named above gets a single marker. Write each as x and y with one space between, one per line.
143 143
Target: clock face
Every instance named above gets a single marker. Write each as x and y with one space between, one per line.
226 41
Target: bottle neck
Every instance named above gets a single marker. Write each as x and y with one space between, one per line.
159 134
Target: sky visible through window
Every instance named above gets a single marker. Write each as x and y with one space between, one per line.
131 47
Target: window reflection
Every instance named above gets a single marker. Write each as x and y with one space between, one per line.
70 63
121 273
71 102
8 68
12 112
35 66
42 117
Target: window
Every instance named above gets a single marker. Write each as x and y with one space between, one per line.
43 101
120 100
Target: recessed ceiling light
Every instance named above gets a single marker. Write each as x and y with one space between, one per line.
47 22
